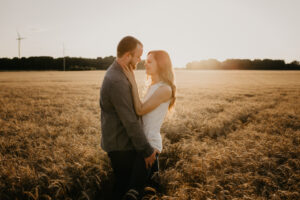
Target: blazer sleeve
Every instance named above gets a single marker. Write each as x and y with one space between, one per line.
120 95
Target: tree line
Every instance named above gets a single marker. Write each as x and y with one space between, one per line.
256 64
99 63
50 63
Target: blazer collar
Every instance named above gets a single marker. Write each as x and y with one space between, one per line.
117 66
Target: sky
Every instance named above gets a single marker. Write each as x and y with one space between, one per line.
188 30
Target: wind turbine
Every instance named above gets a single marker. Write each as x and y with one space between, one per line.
64 57
19 43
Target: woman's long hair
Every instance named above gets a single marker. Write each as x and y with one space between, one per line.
165 71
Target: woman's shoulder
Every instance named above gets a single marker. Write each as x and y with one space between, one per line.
165 85
165 89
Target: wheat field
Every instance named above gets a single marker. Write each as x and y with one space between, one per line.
232 135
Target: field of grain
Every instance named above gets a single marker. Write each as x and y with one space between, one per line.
232 135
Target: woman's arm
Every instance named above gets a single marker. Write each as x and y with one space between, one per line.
162 94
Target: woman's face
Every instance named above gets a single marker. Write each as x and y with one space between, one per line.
150 65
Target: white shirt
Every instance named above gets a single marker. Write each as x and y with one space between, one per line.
153 120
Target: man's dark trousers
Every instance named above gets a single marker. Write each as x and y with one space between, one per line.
130 172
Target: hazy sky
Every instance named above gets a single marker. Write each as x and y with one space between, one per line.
188 30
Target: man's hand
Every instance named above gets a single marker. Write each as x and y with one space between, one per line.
128 71
150 160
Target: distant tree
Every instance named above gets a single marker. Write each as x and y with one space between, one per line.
204 64
50 63
256 64
295 62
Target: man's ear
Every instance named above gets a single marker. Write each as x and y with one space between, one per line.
128 55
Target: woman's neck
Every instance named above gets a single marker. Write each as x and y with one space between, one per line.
155 79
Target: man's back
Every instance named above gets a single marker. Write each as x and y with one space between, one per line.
121 127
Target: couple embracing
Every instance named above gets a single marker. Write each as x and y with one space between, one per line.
131 126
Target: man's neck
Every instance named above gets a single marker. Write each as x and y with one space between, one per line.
121 62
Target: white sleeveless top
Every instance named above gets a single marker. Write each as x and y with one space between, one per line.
153 120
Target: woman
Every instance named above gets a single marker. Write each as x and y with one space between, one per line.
160 98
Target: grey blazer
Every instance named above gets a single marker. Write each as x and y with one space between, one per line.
121 127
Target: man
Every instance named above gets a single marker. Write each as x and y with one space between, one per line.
122 132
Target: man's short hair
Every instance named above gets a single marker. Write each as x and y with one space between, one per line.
127 44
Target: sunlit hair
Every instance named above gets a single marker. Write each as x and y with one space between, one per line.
165 71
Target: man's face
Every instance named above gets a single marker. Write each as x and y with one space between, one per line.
136 56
